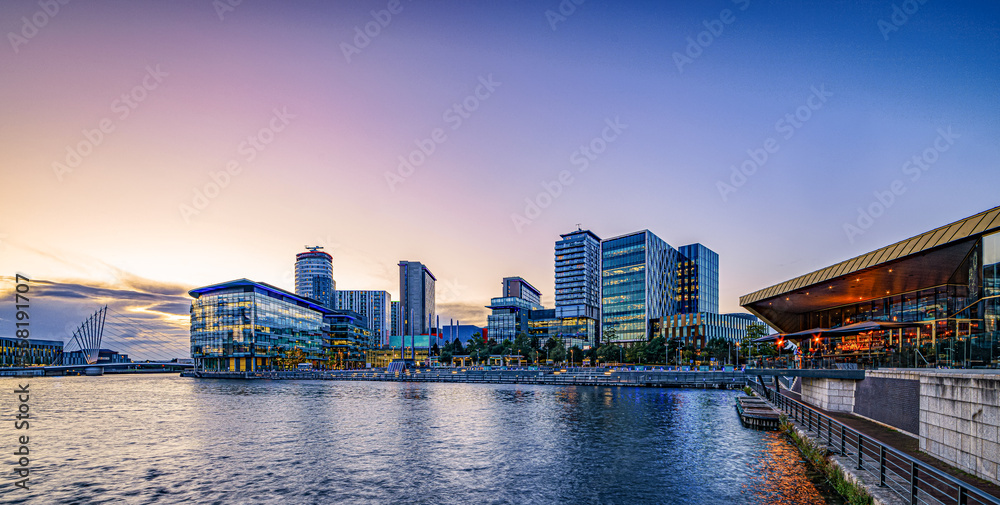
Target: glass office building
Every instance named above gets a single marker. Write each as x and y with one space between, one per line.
373 305
578 281
416 298
245 326
346 340
696 329
16 351
639 273
546 323
697 287
945 282
578 274
509 317
314 276
517 287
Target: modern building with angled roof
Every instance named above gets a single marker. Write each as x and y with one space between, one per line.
242 326
947 280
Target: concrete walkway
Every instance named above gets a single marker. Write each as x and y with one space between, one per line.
903 443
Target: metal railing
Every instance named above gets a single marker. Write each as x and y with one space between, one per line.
914 481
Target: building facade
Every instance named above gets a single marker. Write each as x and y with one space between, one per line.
373 305
578 282
509 317
244 325
416 298
314 276
395 322
944 282
639 272
16 351
103 356
545 324
346 340
697 288
696 329
517 287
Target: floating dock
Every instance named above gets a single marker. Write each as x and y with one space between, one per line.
756 413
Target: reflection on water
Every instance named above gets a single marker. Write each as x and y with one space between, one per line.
165 439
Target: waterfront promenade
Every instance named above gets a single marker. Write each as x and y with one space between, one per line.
884 461
558 376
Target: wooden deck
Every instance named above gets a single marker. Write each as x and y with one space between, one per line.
756 413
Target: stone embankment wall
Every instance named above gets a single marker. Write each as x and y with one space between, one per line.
960 421
954 414
835 395
890 397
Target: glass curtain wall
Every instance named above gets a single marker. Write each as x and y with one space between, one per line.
958 320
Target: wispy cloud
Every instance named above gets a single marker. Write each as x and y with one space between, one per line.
146 319
468 313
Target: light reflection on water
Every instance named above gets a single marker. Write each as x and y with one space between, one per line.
166 439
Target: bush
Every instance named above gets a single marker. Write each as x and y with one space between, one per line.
851 492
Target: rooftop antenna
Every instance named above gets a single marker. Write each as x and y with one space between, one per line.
578 227
313 248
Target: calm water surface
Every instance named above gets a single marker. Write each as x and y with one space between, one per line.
166 439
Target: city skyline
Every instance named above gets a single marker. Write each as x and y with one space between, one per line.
646 118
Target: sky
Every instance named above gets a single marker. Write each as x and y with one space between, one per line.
147 148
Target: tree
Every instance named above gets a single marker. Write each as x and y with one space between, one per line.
754 331
456 347
558 352
634 353
435 350
610 353
609 333
522 345
717 348
289 360
672 346
656 351
576 354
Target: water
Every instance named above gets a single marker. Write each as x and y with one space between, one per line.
166 439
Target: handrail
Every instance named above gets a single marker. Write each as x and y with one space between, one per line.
917 472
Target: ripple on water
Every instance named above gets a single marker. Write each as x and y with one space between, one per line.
145 439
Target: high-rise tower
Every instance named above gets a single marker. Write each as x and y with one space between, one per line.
578 275
314 276
416 297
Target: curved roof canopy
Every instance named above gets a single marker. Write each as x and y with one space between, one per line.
926 260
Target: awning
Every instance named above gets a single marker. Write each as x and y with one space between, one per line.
763 340
866 326
810 333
